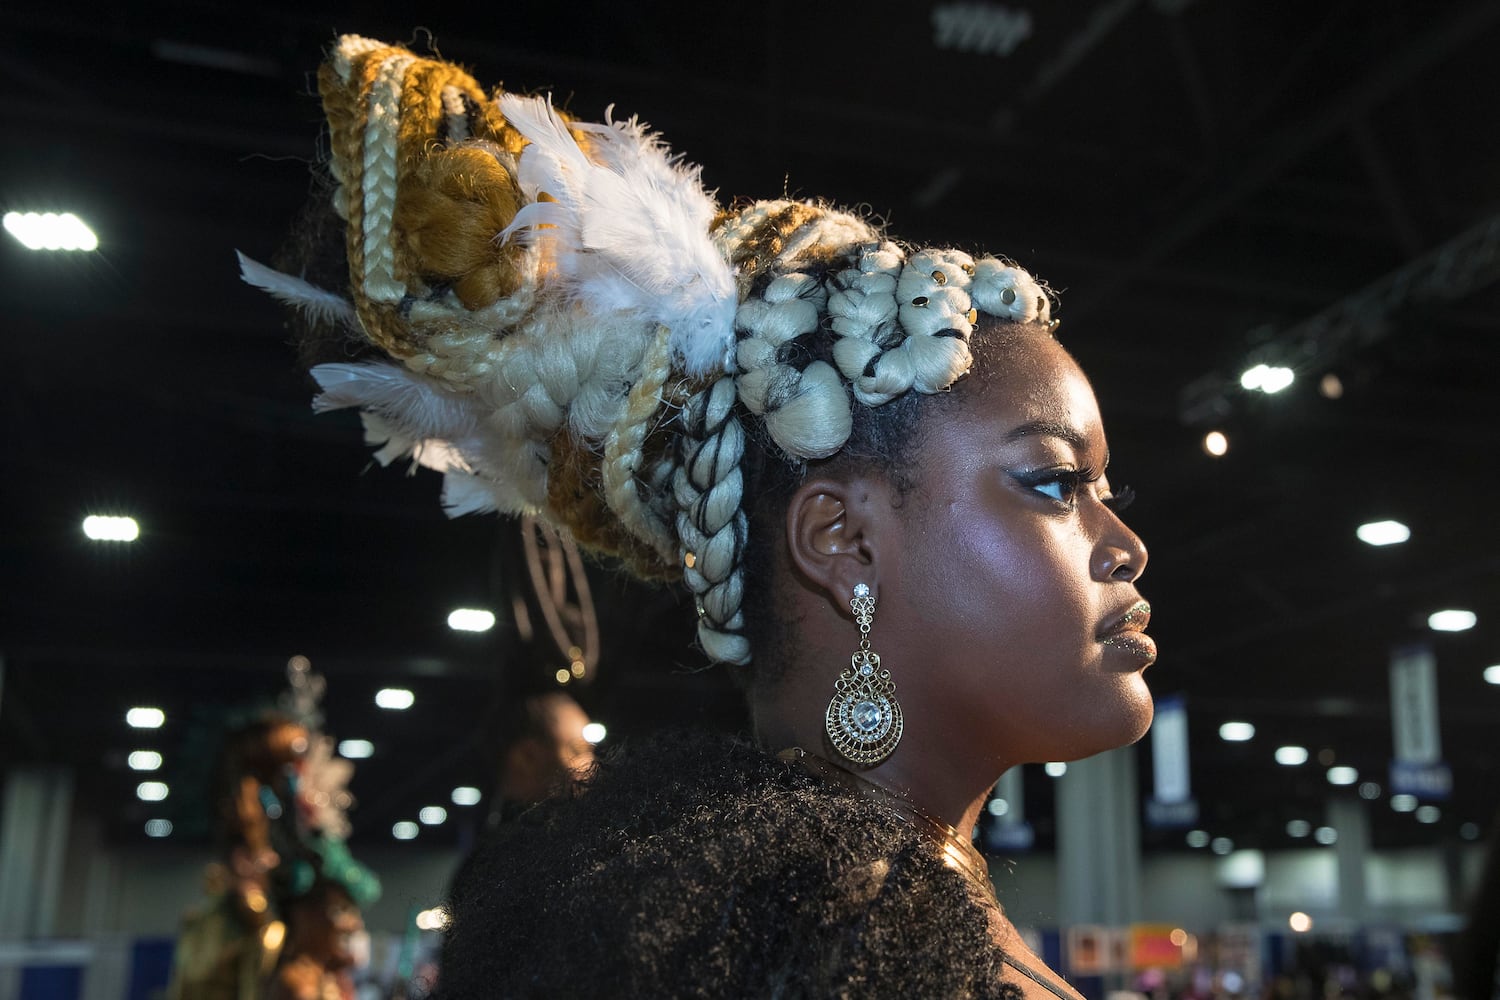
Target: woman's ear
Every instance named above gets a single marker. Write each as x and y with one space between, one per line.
833 534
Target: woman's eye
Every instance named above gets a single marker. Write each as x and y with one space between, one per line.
1060 486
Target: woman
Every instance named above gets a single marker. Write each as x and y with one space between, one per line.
880 476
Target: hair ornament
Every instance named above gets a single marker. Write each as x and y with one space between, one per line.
572 328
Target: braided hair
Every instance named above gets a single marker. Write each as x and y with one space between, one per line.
570 327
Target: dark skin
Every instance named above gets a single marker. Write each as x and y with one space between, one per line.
997 580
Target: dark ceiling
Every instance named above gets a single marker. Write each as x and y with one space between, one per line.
1207 184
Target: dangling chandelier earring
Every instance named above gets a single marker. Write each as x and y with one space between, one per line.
864 718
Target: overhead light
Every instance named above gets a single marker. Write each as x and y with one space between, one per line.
1369 790
466 795
1236 732
108 528
1215 443
1198 838
1325 835
1382 533
594 732
405 830
432 815
144 760
158 827
145 718
435 919
1331 386
1492 674
50 231
151 791
1469 831
1342 775
1298 828
1291 755
356 749
395 699
1299 922
1055 769
1428 814
998 807
471 620
1403 803
1221 845
1268 379
1452 620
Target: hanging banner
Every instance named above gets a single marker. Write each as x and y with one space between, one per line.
1418 768
1171 803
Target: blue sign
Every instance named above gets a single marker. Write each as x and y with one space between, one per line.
1425 781
1171 815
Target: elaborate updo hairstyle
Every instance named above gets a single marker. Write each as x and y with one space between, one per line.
572 328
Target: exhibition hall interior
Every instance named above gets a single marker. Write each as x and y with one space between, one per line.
1273 233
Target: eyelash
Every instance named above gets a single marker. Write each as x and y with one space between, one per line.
1071 482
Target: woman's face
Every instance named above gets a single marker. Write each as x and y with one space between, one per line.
1015 580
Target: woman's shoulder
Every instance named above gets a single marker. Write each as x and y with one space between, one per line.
698 864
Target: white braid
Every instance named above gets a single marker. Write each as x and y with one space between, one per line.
379 180
711 525
622 450
351 47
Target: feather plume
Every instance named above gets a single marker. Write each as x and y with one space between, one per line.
466 493
411 408
629 229
318 305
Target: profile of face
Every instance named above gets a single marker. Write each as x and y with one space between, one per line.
553 753
1011 590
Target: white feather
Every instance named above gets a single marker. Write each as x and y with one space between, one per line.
411 407
319 305
466 493
630 229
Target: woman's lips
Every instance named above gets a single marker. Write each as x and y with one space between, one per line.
1127 633
1138 644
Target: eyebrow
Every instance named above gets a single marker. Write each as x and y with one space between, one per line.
1051 428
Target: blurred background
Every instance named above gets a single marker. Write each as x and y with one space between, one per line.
1275 231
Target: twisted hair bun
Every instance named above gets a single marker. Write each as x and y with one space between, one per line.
576 330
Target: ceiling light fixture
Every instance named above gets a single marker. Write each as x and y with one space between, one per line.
1452 620
356 749
1291 755
1298 828
143 717
1268 379
1428 814
108 528
144 760
1403 803
405 830
594 732
395 699
1215 443
1492 674
1221 845
1342 775
1236 732
1055 768
151 791
1198 838
1382 533
466 795
471 620
1325 835
50 231
432 815
158 827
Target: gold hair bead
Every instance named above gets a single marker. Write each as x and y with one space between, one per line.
968 269
940 277
1053 324
689 559
973 316
920 300
1008 296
